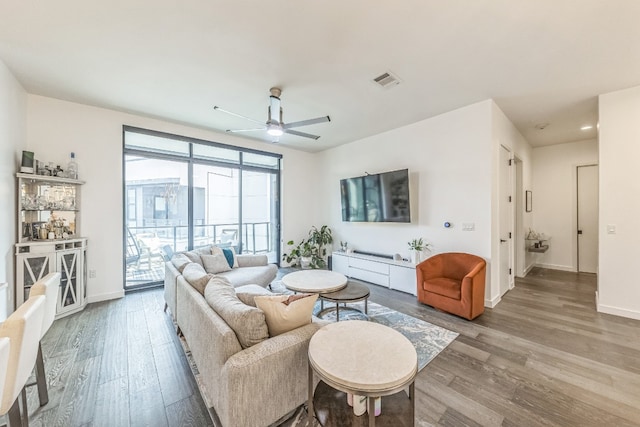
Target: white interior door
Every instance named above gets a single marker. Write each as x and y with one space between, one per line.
587 218
505 227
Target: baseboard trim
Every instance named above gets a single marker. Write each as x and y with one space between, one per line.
528 269
491 303
556 267
617 311
105 297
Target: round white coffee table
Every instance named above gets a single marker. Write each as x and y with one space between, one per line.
314 281
362 358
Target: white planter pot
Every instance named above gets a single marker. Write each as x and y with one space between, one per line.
416 257
305 261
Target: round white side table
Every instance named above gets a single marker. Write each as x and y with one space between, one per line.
362 358
314 281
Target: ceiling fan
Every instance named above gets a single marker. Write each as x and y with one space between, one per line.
274 125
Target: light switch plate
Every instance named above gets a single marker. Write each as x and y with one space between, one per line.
611 229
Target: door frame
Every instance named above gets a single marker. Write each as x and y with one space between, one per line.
510 218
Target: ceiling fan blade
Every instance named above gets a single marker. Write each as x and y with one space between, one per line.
244 130
305 135
237 115
307 122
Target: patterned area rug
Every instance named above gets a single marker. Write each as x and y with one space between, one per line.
428 339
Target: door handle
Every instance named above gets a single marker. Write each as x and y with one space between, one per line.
579 231
503 241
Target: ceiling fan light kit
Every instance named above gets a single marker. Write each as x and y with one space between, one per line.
275 126
274 130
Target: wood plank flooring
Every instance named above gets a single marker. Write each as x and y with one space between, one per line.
542 357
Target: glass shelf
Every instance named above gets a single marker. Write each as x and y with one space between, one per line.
51 210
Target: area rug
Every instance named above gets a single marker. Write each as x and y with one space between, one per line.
428 340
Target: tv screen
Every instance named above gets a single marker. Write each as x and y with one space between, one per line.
382 197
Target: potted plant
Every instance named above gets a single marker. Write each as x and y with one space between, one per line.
417 246
312 252
321 238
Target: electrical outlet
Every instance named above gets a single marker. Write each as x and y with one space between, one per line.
92 274
468 226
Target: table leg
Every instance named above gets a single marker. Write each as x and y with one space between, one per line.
310 412
372 411
412 396
321 305
337 312
366 309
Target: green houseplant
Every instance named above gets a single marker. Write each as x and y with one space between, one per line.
417 246
310 252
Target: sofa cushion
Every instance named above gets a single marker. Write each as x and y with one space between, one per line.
247 322
247 293
442 286
180 261
215 263
284 313
251 260
204 250
196 276
194 257
262 275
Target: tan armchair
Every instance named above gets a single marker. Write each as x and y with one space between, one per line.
453 282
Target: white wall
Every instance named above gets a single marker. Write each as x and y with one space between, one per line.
505 134
554 199
619 137
55 128
13 122
449 158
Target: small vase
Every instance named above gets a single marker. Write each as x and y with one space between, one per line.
416 257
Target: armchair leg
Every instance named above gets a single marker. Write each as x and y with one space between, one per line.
14 414
25 411
165 307
41 378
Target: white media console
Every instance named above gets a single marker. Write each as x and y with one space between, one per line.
398 275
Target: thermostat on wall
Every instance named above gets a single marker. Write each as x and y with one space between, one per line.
447 224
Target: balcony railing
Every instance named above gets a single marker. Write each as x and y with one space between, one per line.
150 245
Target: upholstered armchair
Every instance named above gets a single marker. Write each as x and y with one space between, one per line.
453 282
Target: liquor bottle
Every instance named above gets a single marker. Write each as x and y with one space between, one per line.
72 167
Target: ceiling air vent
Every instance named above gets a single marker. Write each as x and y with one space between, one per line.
387 80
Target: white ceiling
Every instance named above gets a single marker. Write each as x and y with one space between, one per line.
542 61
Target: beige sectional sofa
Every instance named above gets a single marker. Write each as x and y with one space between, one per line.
252 269
250 378
247 387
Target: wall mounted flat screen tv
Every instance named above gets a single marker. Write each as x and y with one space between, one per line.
382 197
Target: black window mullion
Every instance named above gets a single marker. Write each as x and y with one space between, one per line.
241 213
190 213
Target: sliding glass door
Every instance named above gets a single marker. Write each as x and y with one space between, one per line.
260 214
181 193
156 216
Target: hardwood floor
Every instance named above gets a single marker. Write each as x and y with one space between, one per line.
542 357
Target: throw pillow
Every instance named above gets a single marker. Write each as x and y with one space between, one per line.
247 322
247 293
215 263
215 250
196 276
230 255
180 261
203 250
286 312
193 257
